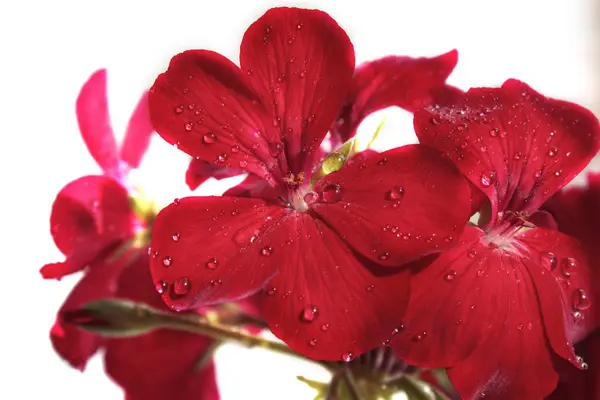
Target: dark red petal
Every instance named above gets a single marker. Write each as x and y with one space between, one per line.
72 343
254 187
393 207
213 249
400 81
199 171
138 134
568 287
301 62
498 307
162 364
518 146
204 105
94 122
88 215
326 304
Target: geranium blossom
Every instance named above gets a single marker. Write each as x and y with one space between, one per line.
499 308
312 246
102 228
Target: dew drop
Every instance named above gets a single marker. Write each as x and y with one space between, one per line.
275 148
419 336
167 261
161 287
567 266
581 301
176 201
331 193
548 261
450 276
494 132
212 263
243 164
538 174
312 342
179 109
395 193
266 251
188 126
235 148
347 357
472 254
325 327
209 138
311 198
181 286
382 162
309 313
384 256
552 152
370 288
487 179
175 237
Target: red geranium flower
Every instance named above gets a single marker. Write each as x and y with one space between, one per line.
390 81
501 306
312 249
93 222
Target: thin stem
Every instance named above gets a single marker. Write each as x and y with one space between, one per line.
353 388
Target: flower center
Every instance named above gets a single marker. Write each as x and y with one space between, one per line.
502 233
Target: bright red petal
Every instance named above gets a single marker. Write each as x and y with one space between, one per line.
94 123
302 63
74 344
204 105
163 364
138 134
199 171
400 81
327 304
89 215
518 146
393 207
254 187
213 249
499 308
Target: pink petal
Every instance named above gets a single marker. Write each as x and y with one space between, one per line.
518 146
400 81
325 303
301 62
163 364
213 249
138 134
204 105
94 122
393 207
199 171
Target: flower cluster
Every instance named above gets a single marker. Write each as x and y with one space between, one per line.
459 253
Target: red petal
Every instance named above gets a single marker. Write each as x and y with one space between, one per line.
199 171
498 307
326 304
518 146
89 215
254 187
163 364
301 62
393 207
138 134
400 81
204 105
94 122
74 344
208 249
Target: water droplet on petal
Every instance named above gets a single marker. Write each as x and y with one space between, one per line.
325 327
552 152
395 193
175 237
398 330
243 164
332 193
419 336
347 357
209 138
382 162
538 173
272 291
309 313
548 261
161 287
311 198
266 251
275 148
212 263
181 286
167 261
176 201
188 126
450 276
312 342
384 256
472 254
494 132
235 148
487 179
370 288
567 266
581 301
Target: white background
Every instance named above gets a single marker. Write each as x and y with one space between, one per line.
48 48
